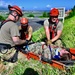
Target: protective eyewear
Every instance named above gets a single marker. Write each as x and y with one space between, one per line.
24 24
54 16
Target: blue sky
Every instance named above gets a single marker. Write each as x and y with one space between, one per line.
38 4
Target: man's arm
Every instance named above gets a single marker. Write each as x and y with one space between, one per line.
19 27
18 41
47 32
30 30
59 32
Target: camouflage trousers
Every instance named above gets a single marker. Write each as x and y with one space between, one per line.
8 54
44 50
40 49
58 43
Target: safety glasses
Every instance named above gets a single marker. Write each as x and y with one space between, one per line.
24 24
54 16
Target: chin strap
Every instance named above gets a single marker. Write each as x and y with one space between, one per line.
13 15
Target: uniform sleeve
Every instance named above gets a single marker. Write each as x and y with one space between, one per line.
30 30
14 31
60 26
46 23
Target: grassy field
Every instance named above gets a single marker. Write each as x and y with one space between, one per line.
33 67
68 35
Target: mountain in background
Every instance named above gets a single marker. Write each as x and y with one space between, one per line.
3 8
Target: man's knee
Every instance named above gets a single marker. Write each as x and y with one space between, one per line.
9 54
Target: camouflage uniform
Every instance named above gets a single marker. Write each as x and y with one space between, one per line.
8 54
40 49
58 43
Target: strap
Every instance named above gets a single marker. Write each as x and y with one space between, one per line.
52 29
7 45
3 22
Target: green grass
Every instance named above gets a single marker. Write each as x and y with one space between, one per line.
68 35
38 35
34 67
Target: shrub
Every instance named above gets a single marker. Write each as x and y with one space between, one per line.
31 15
72 13
45 14
2 18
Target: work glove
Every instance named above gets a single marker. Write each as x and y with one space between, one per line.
26 42
49 42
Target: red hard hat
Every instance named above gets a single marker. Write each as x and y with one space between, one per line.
54 12
16 8
24 21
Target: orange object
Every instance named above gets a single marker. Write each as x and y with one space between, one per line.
24 21
15 8
54 63
54 12
72 51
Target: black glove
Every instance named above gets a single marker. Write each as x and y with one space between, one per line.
26 42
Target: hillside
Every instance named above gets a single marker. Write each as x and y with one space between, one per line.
33 67
68 35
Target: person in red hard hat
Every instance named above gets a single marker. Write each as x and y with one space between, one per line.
25 29
53 28
9 33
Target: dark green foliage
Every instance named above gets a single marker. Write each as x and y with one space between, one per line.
1 18
44 15
72 13
31 15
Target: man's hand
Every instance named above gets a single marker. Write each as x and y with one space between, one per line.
49 42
